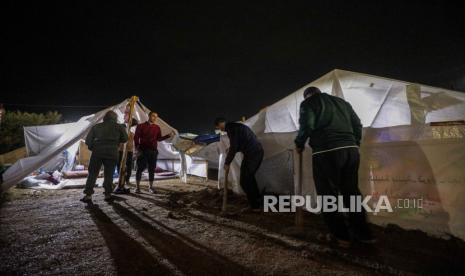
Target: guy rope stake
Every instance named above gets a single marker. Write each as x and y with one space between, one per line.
299 212
225 192
122 165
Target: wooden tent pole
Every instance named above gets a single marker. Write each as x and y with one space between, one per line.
122 165
225 191
299 212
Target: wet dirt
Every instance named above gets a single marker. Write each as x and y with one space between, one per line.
179 231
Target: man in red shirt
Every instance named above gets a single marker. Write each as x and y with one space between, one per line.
146 141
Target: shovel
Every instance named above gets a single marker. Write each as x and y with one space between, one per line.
224 207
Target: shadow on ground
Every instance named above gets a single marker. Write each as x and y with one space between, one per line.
129 256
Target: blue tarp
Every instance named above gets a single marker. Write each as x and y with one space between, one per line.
207 139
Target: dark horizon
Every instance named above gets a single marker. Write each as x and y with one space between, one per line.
193 62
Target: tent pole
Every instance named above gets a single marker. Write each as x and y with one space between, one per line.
122 165
183 170
225 192
299 212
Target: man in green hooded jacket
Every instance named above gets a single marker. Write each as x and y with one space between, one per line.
103 140
334 131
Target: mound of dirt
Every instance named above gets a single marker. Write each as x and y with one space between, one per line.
209 198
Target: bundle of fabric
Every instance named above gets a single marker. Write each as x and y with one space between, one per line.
52 177
75 174
48 180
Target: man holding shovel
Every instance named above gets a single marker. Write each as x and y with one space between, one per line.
242 139
335 131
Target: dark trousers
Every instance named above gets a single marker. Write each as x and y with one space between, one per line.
336 173
95 164
249 167
128 164
146 158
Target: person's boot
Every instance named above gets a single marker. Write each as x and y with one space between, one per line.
119 190
151 189
137 187
108 198
333 240
86 199
126 190
368 238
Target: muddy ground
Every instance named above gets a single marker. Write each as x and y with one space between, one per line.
178 231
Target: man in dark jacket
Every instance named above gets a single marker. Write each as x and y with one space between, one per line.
103 140
335 131
242 139
146 140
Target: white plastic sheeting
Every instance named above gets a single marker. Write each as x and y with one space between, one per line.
27 165
417 165
379 102
37 138
195 166
215 154
47 144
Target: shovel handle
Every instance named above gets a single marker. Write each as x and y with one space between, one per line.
225 191
299 212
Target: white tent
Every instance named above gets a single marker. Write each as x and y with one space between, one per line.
55 146
403 155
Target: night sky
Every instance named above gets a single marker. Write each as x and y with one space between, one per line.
193 62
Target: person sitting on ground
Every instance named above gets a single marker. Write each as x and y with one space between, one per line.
103 140
242 139
146 140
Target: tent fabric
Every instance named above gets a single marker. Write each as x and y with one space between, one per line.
51 146
379 102
195 166
396 117
37 138
26 166
407 163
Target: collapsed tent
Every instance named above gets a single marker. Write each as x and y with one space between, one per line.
55 147
405 154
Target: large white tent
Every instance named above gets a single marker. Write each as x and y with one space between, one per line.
404 156
46 145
